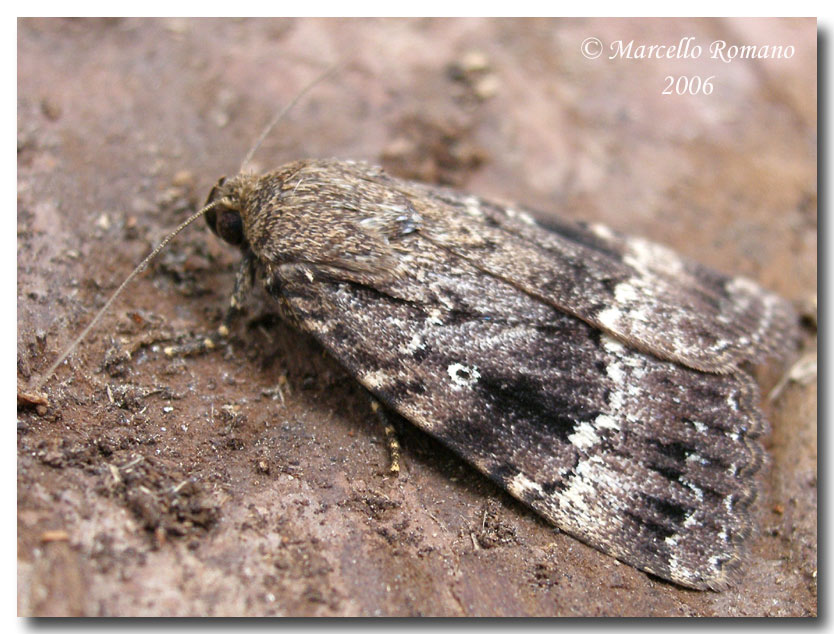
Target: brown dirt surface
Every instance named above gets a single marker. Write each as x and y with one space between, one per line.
251 479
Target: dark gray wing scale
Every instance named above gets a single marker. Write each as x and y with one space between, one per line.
640 292
639 457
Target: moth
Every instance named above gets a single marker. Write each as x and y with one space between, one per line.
596 377
599 378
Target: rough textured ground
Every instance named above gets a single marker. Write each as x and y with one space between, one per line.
251 480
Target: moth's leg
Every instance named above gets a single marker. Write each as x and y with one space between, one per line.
244 280
390 436
189 346
802 372
199 344
182 345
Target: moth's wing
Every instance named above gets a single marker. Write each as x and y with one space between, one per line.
641 458
642 293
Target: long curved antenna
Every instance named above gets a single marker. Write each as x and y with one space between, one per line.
142 266
284 111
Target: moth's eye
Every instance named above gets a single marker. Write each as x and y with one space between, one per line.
211 214
211 219
230 226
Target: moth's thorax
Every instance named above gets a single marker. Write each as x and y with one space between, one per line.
340 213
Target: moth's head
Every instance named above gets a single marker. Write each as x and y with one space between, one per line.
225 218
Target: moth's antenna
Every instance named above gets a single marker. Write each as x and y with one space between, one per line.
142 266
285 110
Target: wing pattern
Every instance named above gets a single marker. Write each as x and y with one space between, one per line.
594 376
640 457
